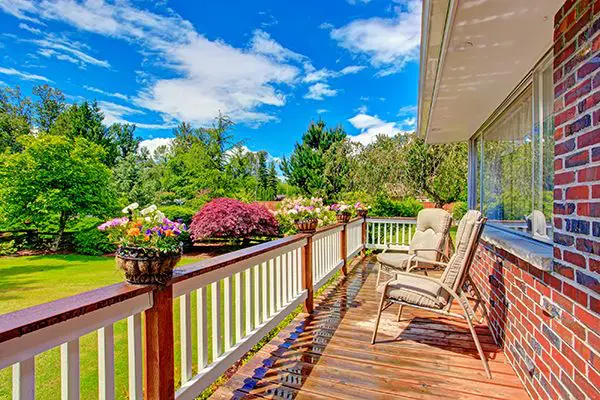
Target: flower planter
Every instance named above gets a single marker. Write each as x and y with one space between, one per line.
143 267
362 213
343 218
308 225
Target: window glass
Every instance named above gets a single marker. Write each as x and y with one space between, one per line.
515 161
507 164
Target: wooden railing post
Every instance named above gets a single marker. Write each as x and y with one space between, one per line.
364 237
307 278
344 248
159 360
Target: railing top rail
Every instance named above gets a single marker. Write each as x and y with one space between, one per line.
31 319
224 260
404 219
41 316
328 228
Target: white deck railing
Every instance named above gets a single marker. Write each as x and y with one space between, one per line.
239 297
390 233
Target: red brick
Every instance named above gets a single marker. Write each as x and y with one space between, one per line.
565 85
574 258
581 22
578 92
594 265
590 102
588 209
569 322
588 139
564 147
563 270
562 301
577 193
564 178
565 116
561 360
558 134
596 191
578 159
589 174
563 56
584 384
558 223
585 317
577 295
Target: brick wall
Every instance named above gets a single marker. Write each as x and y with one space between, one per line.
549 337
548 323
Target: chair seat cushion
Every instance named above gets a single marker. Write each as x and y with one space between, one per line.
417 291
399 261
395 260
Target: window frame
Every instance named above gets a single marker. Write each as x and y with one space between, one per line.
533 80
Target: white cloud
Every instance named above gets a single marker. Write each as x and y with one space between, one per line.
319 91
411 122
362 109
30 28
407 110
324 74
262 43
322 111
105 93
326 26
207 76
372 126
153 144
389 43
66 50
20 9
23 75
354 2
114 113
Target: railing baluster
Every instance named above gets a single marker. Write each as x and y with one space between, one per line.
202 327
69 370
185 324
290 279
248 294
256 288
272 299
403 234
264 291
134 356
23 380
228 313
278 282
106 363
215 301
238 307
284 275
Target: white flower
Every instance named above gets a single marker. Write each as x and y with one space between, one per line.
148 210
292 211
130 208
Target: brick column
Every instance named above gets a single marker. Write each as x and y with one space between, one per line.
577 198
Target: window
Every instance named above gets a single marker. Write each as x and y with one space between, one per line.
513 160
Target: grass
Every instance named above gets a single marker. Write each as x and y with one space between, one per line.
28 281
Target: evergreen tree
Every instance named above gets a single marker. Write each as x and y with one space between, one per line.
305 168
51 103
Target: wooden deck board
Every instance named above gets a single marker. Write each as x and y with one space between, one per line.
328 355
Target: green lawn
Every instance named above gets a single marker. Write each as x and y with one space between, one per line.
27 281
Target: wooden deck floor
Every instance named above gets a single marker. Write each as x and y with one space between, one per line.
329 356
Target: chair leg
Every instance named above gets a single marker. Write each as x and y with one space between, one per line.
400 312
378 275
476 340
378 315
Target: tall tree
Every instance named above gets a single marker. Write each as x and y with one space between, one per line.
50 104
305 168
437 171
55 178
124 139
15 118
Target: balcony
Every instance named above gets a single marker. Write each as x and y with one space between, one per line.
229 304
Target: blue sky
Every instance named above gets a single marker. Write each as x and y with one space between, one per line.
273 66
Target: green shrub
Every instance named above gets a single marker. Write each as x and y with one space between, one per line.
459 209
8 248
386 207
354 197
89 240
175 212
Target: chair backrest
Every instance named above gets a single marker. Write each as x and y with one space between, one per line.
433 227
467 238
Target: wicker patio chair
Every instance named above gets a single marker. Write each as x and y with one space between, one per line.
437 295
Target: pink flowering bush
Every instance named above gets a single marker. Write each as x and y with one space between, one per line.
232 219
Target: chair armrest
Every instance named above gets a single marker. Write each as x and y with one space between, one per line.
441 253
435 280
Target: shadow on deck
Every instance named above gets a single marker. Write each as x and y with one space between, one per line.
328 355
